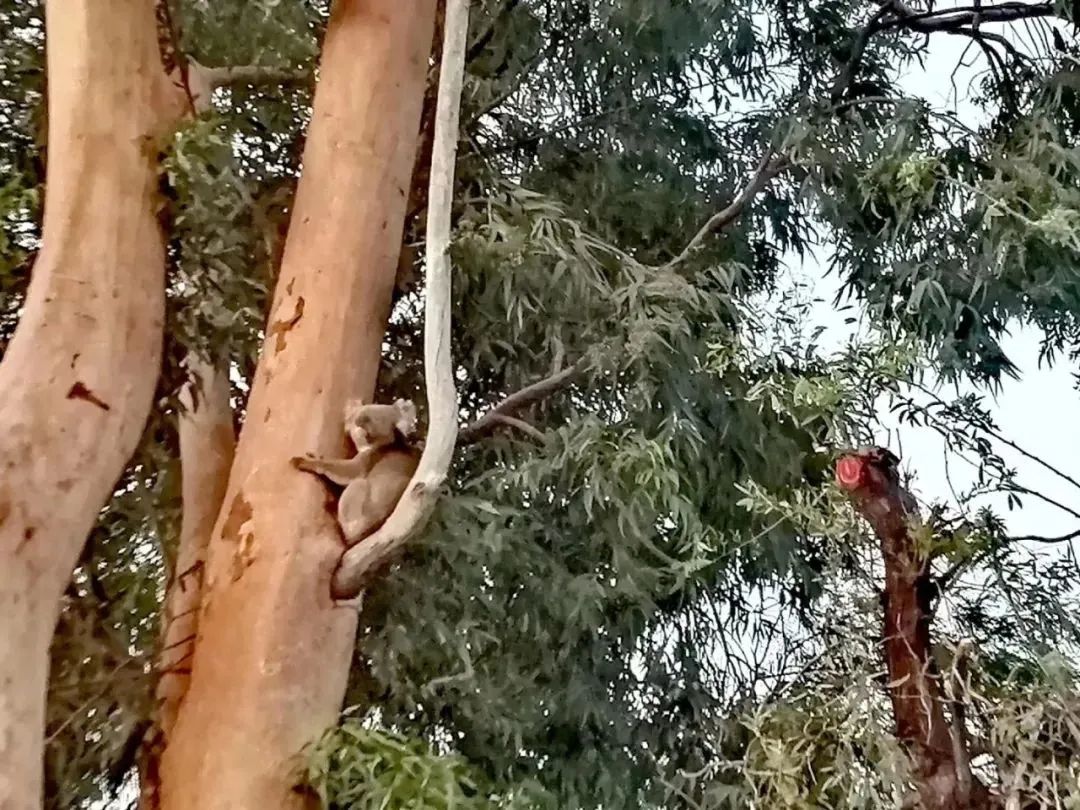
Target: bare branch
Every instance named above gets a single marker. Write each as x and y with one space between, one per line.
518 400
871 477
519 424
207 447
965 20
966 17
201 81
1034 538
253 75
769 166
851 68
482 40
415 506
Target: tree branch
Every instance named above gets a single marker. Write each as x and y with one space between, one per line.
851 68
202 81
871 477
958 567
896 14
253 75
769 166
482 40
967 17
1034 538
207 446
414 508
520 424
519 399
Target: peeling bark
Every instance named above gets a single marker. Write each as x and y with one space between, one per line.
941 764
273 653
77 380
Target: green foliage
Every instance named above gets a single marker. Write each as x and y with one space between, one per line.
224 242
823 751
358 768
22 115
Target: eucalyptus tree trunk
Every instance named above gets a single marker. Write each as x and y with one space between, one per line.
273 651
207 446
78 377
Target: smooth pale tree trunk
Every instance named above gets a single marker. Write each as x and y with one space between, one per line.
207 447
273 652
78 377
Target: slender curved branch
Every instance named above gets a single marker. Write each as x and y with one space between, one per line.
769 166
516 401
520 424
958 567
1035 538
415 506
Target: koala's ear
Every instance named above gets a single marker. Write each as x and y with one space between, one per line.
406 421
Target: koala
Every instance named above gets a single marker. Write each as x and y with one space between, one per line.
376 477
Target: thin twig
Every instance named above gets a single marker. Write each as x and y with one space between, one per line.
960 566
415 505
1035 538
1013 487
1029 455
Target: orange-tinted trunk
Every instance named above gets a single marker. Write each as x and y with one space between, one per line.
273 652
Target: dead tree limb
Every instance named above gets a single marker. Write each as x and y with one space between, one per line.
941 763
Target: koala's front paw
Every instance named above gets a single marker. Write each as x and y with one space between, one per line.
303 462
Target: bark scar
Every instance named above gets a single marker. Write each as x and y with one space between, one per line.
79 391
279 329
239 514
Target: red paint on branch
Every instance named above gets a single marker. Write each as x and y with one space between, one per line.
850 472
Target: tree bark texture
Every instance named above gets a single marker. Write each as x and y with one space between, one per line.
77 381
273 650
940 763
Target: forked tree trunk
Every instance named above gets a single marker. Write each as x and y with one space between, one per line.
78 377
273 651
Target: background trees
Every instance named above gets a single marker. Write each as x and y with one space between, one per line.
645 592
